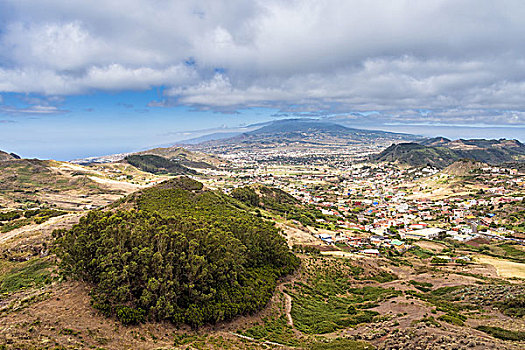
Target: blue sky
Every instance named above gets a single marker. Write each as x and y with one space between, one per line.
81 78
106 123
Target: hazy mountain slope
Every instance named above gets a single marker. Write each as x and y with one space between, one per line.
209 137
300 126
300 134
8 156
306 127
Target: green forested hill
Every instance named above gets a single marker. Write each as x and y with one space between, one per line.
415 154
440 152
185 157
177 252
158 165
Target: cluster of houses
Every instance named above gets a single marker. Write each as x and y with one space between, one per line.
374 201
365 245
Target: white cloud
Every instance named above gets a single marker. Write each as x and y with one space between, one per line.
336 56
37 109
111 77
116 76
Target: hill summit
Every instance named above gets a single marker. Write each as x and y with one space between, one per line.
176 252
301 126
8 156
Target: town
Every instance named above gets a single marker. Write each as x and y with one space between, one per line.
376 208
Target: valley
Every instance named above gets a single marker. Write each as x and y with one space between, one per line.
296 236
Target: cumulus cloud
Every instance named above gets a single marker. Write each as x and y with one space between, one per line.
457 59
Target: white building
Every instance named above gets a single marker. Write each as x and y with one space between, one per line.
426 233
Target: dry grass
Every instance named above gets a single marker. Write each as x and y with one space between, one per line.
505 268
65 319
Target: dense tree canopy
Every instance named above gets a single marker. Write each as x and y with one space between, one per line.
181 254
158 165
278 201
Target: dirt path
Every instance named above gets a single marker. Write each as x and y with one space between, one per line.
258 341
51 224
117 185
288 308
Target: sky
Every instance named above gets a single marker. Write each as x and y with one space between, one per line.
87 78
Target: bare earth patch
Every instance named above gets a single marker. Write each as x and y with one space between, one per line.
436 247
297 236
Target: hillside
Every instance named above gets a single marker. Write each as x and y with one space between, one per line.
186 254
441 152
8 156
279 202
487 151
186 158
29 183
32 182
158 165
463 167
182 155
435 141
414 154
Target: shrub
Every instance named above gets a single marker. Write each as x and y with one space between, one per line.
128 315
514 306
455 319
340 343
501 333
438 261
